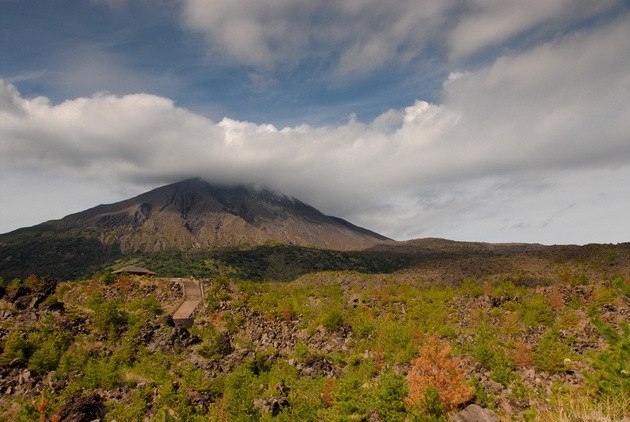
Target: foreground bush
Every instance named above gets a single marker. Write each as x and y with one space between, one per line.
436 380
612 376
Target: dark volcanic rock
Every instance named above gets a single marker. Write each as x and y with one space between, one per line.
474 413
273 405
18 293
315 365
181 337
224 344
83 409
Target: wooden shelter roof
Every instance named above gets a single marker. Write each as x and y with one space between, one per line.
133 270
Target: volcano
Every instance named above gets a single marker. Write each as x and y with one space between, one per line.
194 214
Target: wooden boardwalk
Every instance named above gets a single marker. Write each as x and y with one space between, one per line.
192 297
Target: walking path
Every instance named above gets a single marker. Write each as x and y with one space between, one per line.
192 297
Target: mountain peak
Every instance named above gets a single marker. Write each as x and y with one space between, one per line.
193 213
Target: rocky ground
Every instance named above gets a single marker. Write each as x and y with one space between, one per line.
245 333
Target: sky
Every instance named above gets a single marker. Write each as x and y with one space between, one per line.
478 120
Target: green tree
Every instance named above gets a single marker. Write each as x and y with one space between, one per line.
612 366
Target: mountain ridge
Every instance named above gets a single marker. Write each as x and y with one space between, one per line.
196 214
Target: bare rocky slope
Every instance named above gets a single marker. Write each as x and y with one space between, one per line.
196 214
191 215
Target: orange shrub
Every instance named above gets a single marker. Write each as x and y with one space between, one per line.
379 359
522 354
327 392
42 405
436 368
124 284
286 313
555 299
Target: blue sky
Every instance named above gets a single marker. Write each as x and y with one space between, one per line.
467 119
145 46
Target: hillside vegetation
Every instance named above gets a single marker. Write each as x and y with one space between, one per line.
546 343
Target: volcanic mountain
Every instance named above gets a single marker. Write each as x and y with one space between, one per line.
193 214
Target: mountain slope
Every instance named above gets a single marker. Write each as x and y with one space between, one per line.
192 214
195 214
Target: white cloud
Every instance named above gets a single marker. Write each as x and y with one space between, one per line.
361 36
488 23
502 158
85 68
354 36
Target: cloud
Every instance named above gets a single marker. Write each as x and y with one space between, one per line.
489 23
346 39
85 68
354 37
504 146
552 105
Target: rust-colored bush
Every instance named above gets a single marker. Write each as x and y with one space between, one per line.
286 313
124 284
42 405
522 354
436 369
555 298
327 392
379 359
33 283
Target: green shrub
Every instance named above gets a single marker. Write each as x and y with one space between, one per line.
501 367
332 320
488 351
433 405
16 348
73 359
606 295
350 400
390 395
363 326
483 397
395 340
571 276
111 319
612 366
46 357
519 392
152 306
536 311
505 288
101 373
471 287
239 394
135 408
551 353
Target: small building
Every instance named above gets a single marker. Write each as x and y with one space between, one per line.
134 270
